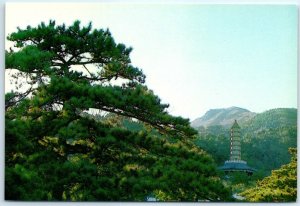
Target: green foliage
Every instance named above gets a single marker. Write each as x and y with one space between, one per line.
268 149
218 146
55 149
280 186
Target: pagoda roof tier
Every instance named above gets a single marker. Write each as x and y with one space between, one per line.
236 165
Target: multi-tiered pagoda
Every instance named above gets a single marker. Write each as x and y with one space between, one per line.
235 163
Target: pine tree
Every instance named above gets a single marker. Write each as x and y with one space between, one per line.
56 150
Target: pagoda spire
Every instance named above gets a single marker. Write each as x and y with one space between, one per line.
235 142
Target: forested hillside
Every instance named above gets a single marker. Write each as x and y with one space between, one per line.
265 139
272 119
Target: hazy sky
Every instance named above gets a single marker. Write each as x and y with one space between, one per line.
196 57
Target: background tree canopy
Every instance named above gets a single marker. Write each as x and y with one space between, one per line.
56 148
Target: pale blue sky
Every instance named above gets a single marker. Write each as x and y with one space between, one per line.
195 57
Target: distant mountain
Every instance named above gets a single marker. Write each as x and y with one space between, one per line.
224 117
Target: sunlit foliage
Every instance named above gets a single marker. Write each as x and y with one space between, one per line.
280 186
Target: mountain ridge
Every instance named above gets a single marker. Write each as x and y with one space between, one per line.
226 116
223 116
